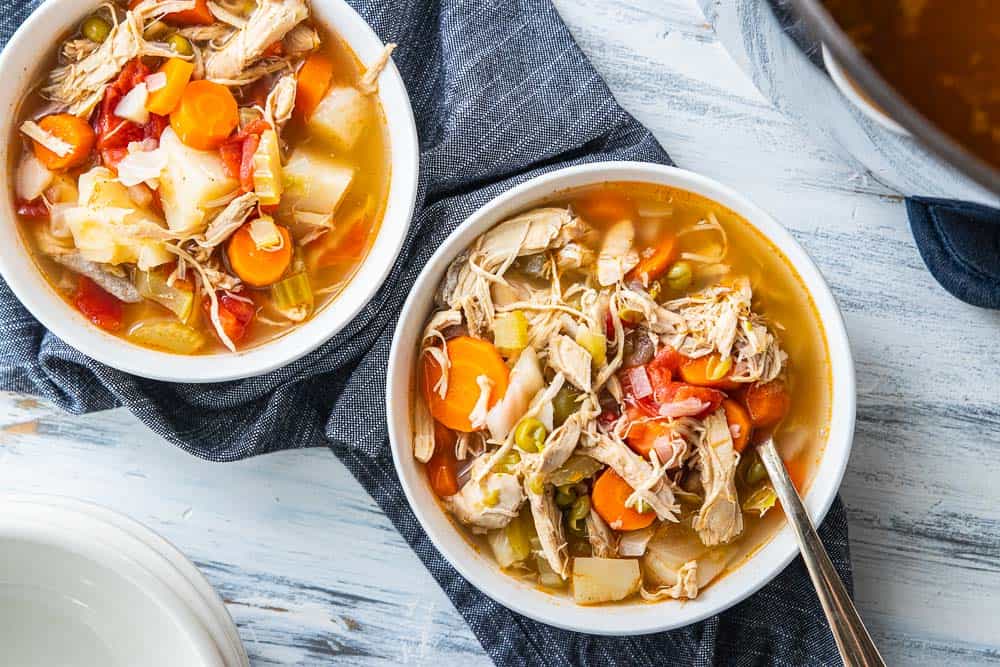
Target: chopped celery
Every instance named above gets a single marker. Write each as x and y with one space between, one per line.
510 331
167 335
265 233
267 169
594 343
291 292
153 285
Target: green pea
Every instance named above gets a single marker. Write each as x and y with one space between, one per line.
180 45
680 275
756 472
96 29
565 496
530 435
577 513
564 404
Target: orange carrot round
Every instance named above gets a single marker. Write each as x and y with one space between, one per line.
607 206
312 83
199 15
75 131
470 358
255 266
737 415
709 371
655 265
206 115
767 403
164 100
608 499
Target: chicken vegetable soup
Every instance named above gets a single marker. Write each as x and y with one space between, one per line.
200 176
592 382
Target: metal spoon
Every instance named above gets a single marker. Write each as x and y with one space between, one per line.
855 644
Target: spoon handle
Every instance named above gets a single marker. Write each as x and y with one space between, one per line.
855 644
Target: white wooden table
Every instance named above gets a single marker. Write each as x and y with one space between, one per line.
313 572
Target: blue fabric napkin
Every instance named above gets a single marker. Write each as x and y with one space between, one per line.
501 93
958 241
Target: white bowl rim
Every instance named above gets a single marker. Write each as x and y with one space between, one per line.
18 62
76 532
850 90
638 618
191 584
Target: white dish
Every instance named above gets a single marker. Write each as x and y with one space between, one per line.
81 585
480 569
23 61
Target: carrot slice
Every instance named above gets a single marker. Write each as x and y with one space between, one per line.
199 15
655 265
312 83
255 266
442 466
75 131
206 115
767 403
608 498
607 206
705 372
738 416
164 100
470 358
643 435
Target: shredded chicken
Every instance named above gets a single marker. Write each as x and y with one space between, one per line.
686 586
280 102
602 539
720 519
369 81
548 524
269 23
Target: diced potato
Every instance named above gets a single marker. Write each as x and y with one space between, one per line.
598 580
314 182
105 220
191 180
341 116
31 178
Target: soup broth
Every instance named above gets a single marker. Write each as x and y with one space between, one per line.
942 56
315 202
716 250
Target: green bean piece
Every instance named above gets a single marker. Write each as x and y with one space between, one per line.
565 496
564 404
756 472
680 275
95 29
180 45
530 435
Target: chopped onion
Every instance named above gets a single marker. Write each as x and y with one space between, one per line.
133 106
155 82
142 166
32 177
638 380
633 543
689 407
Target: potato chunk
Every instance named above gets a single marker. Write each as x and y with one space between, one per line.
191 180
598 580
314 182
341 116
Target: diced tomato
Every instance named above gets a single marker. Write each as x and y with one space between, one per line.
663 366
35 209
231 153
114 134
274 50
235 314
237 152
97 305
155 126
644 436
442 468
675 392
250 145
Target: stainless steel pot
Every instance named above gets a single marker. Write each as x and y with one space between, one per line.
921 161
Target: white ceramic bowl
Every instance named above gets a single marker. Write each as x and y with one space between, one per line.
81 585
22 63
479 568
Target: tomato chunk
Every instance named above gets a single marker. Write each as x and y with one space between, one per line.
101 308
235 314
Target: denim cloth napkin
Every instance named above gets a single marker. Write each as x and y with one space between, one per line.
958 241
501 93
